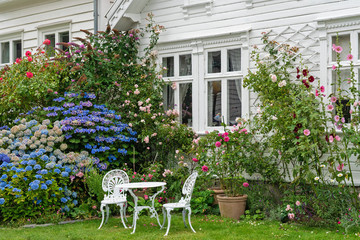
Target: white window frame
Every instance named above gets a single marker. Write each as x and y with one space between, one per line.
222 76
177 79
11 38
53 29
328 28
200 76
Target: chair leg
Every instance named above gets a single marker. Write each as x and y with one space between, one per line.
103 215
163 210
169 220
125 212
183 214
189 214
122 214
107 214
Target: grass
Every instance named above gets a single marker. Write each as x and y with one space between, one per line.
206 227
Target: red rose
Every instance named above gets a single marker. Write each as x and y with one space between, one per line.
18 60
29 74
28 53
305 72
30 59
311 79
47 42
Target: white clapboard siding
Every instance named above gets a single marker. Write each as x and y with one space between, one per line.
30 21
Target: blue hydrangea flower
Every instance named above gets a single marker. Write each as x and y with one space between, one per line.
74 194
31 162
37 167
64 174
75 202
56 170
38 176
2 201
43 186
63 200
43 171
28 168
48 182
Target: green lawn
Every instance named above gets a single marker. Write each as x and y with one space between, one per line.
206 227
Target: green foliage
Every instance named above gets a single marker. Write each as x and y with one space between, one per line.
258 215
93 180
202 201
31 81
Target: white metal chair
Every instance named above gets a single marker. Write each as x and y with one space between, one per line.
184 203
118 197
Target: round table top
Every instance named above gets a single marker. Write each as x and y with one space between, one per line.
141 185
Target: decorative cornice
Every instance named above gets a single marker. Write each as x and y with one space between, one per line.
342 24
186 45
225 40
205 4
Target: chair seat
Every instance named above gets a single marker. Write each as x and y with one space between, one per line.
113 200
176 205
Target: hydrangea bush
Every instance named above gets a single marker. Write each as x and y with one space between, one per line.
36 169
91 127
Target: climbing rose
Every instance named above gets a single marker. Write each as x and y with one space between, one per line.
28 53
218 144
47 42
29 74
245 184
195 159
205 168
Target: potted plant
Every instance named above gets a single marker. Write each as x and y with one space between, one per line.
226 155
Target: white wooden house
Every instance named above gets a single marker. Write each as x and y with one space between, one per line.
25 24
206 46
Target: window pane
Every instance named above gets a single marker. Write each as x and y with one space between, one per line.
185 65
186 103
345 91
214 62
168 97
214 103
64 37
344 42
17 49
234 60
345 76
5 52
168 62
234 100
50 49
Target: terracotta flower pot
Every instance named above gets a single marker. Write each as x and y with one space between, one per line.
217 191
232 207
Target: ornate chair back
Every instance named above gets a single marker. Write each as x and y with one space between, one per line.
111 179
188 188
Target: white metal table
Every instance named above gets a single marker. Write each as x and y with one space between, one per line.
137 209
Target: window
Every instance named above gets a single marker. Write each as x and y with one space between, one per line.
55 35
178 94
349 41
223 86
205 81
10 50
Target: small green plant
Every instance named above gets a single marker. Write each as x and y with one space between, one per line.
258 215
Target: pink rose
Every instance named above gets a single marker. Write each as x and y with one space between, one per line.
245 184
195 159
218 144
47 42
291 216
205 168
226 139
28 53
29 74
298 203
